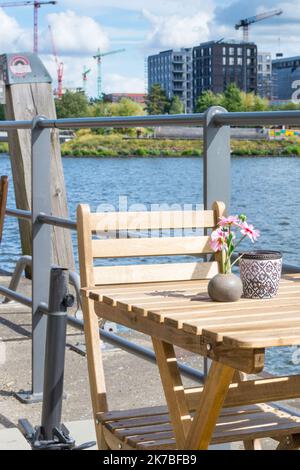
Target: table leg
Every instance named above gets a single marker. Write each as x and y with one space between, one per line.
174 390
215 390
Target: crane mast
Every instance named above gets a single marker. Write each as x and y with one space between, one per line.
59 66
98 57
85 73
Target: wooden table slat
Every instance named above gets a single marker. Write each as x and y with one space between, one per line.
185 306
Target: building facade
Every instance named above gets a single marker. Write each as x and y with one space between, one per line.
264 75
173 71
116 97
218 63
286 78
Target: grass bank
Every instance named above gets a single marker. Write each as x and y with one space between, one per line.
3 147
87 144
92 145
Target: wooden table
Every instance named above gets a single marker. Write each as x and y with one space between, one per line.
233 335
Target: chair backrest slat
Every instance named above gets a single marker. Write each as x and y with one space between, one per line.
154 272
115 221
163 246
100 223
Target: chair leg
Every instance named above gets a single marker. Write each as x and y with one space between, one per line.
254 444
95 366
174 390
3 200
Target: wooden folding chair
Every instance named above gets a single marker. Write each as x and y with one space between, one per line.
3 201
151 428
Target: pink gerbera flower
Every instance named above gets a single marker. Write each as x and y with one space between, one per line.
218 240
249 231
231 220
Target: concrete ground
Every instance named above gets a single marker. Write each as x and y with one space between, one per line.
131 381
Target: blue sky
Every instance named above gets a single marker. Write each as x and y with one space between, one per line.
141 27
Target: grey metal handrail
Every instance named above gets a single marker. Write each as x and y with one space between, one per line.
127 121
259 118
220 118
11 125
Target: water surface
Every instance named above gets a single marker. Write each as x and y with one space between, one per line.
265 188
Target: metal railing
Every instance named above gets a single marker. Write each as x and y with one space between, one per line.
216 124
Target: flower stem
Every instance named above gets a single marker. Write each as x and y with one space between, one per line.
238 259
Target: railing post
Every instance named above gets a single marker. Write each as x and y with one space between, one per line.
216 167
41 252
216 160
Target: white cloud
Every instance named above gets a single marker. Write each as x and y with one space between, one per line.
76 34
177 31
12 36
112 82
160 7
115 83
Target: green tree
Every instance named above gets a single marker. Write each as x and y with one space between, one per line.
232 98
260 104
72 105
157 102
100 109
127 107
206 100
177 106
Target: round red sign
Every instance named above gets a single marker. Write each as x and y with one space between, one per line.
19 66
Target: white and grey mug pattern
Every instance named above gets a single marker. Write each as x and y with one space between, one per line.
260 274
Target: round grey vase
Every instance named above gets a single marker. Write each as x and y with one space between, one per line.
225 288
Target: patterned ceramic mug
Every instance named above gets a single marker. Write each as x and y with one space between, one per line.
260 273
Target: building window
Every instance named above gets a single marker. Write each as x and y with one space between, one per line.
231 51
240 51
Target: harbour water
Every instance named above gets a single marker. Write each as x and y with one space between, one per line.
266 189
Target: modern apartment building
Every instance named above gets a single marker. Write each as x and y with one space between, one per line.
264 75
173 71
218 63
286 74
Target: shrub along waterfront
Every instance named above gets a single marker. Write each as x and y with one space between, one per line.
88 144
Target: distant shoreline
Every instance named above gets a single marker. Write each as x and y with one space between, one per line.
176 156
88 144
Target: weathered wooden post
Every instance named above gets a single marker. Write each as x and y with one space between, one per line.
29 94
